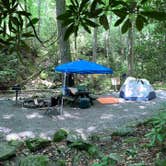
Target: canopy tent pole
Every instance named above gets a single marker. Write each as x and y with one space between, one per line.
63 93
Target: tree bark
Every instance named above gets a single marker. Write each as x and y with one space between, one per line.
64 46
131 51
25 7
94 54
107 40
39 13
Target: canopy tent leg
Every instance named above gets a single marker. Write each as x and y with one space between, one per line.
63 93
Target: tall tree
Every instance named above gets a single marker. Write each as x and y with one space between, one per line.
64 46
94 53
131 51
39 13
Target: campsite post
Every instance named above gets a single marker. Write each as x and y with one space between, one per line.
63 93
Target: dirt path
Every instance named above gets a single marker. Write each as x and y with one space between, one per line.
17 122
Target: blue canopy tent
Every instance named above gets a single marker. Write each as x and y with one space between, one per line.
81 67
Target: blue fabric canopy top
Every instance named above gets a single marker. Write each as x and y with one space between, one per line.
83 67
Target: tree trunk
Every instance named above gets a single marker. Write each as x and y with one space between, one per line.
64 46
107 40
25 7
94 54
39 13
131 51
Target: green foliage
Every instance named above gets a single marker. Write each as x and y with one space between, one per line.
60 135
60 163
35 160
16 143
76 15
43 75
81 13
123 131
7 75
91 149
150 61
12 23
131 140
113 159
157 135
80 145
131 152
160 163
35 144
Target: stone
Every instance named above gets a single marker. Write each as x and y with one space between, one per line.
6 151
73 137
16 143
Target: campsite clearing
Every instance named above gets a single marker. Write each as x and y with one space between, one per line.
18 123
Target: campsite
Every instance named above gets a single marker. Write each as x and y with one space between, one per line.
82 83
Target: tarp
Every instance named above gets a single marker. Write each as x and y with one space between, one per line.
83 67
108 100
137 90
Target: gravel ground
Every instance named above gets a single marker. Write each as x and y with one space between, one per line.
17 122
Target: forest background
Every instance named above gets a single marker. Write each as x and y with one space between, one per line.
30 37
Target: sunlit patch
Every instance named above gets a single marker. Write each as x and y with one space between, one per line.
20 136
26 134
126 110
122 100
162 94
81 132
7 116
91 128
5 130
153 102
34 115
45 136
144 113
107 116
12 136
60 117
142 107
67 115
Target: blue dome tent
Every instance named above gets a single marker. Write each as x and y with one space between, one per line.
81 67
137 90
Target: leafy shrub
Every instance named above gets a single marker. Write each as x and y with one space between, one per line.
113 159
43 75
160 163
123 132
35 144
8 77
35 160
157 135
60 135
